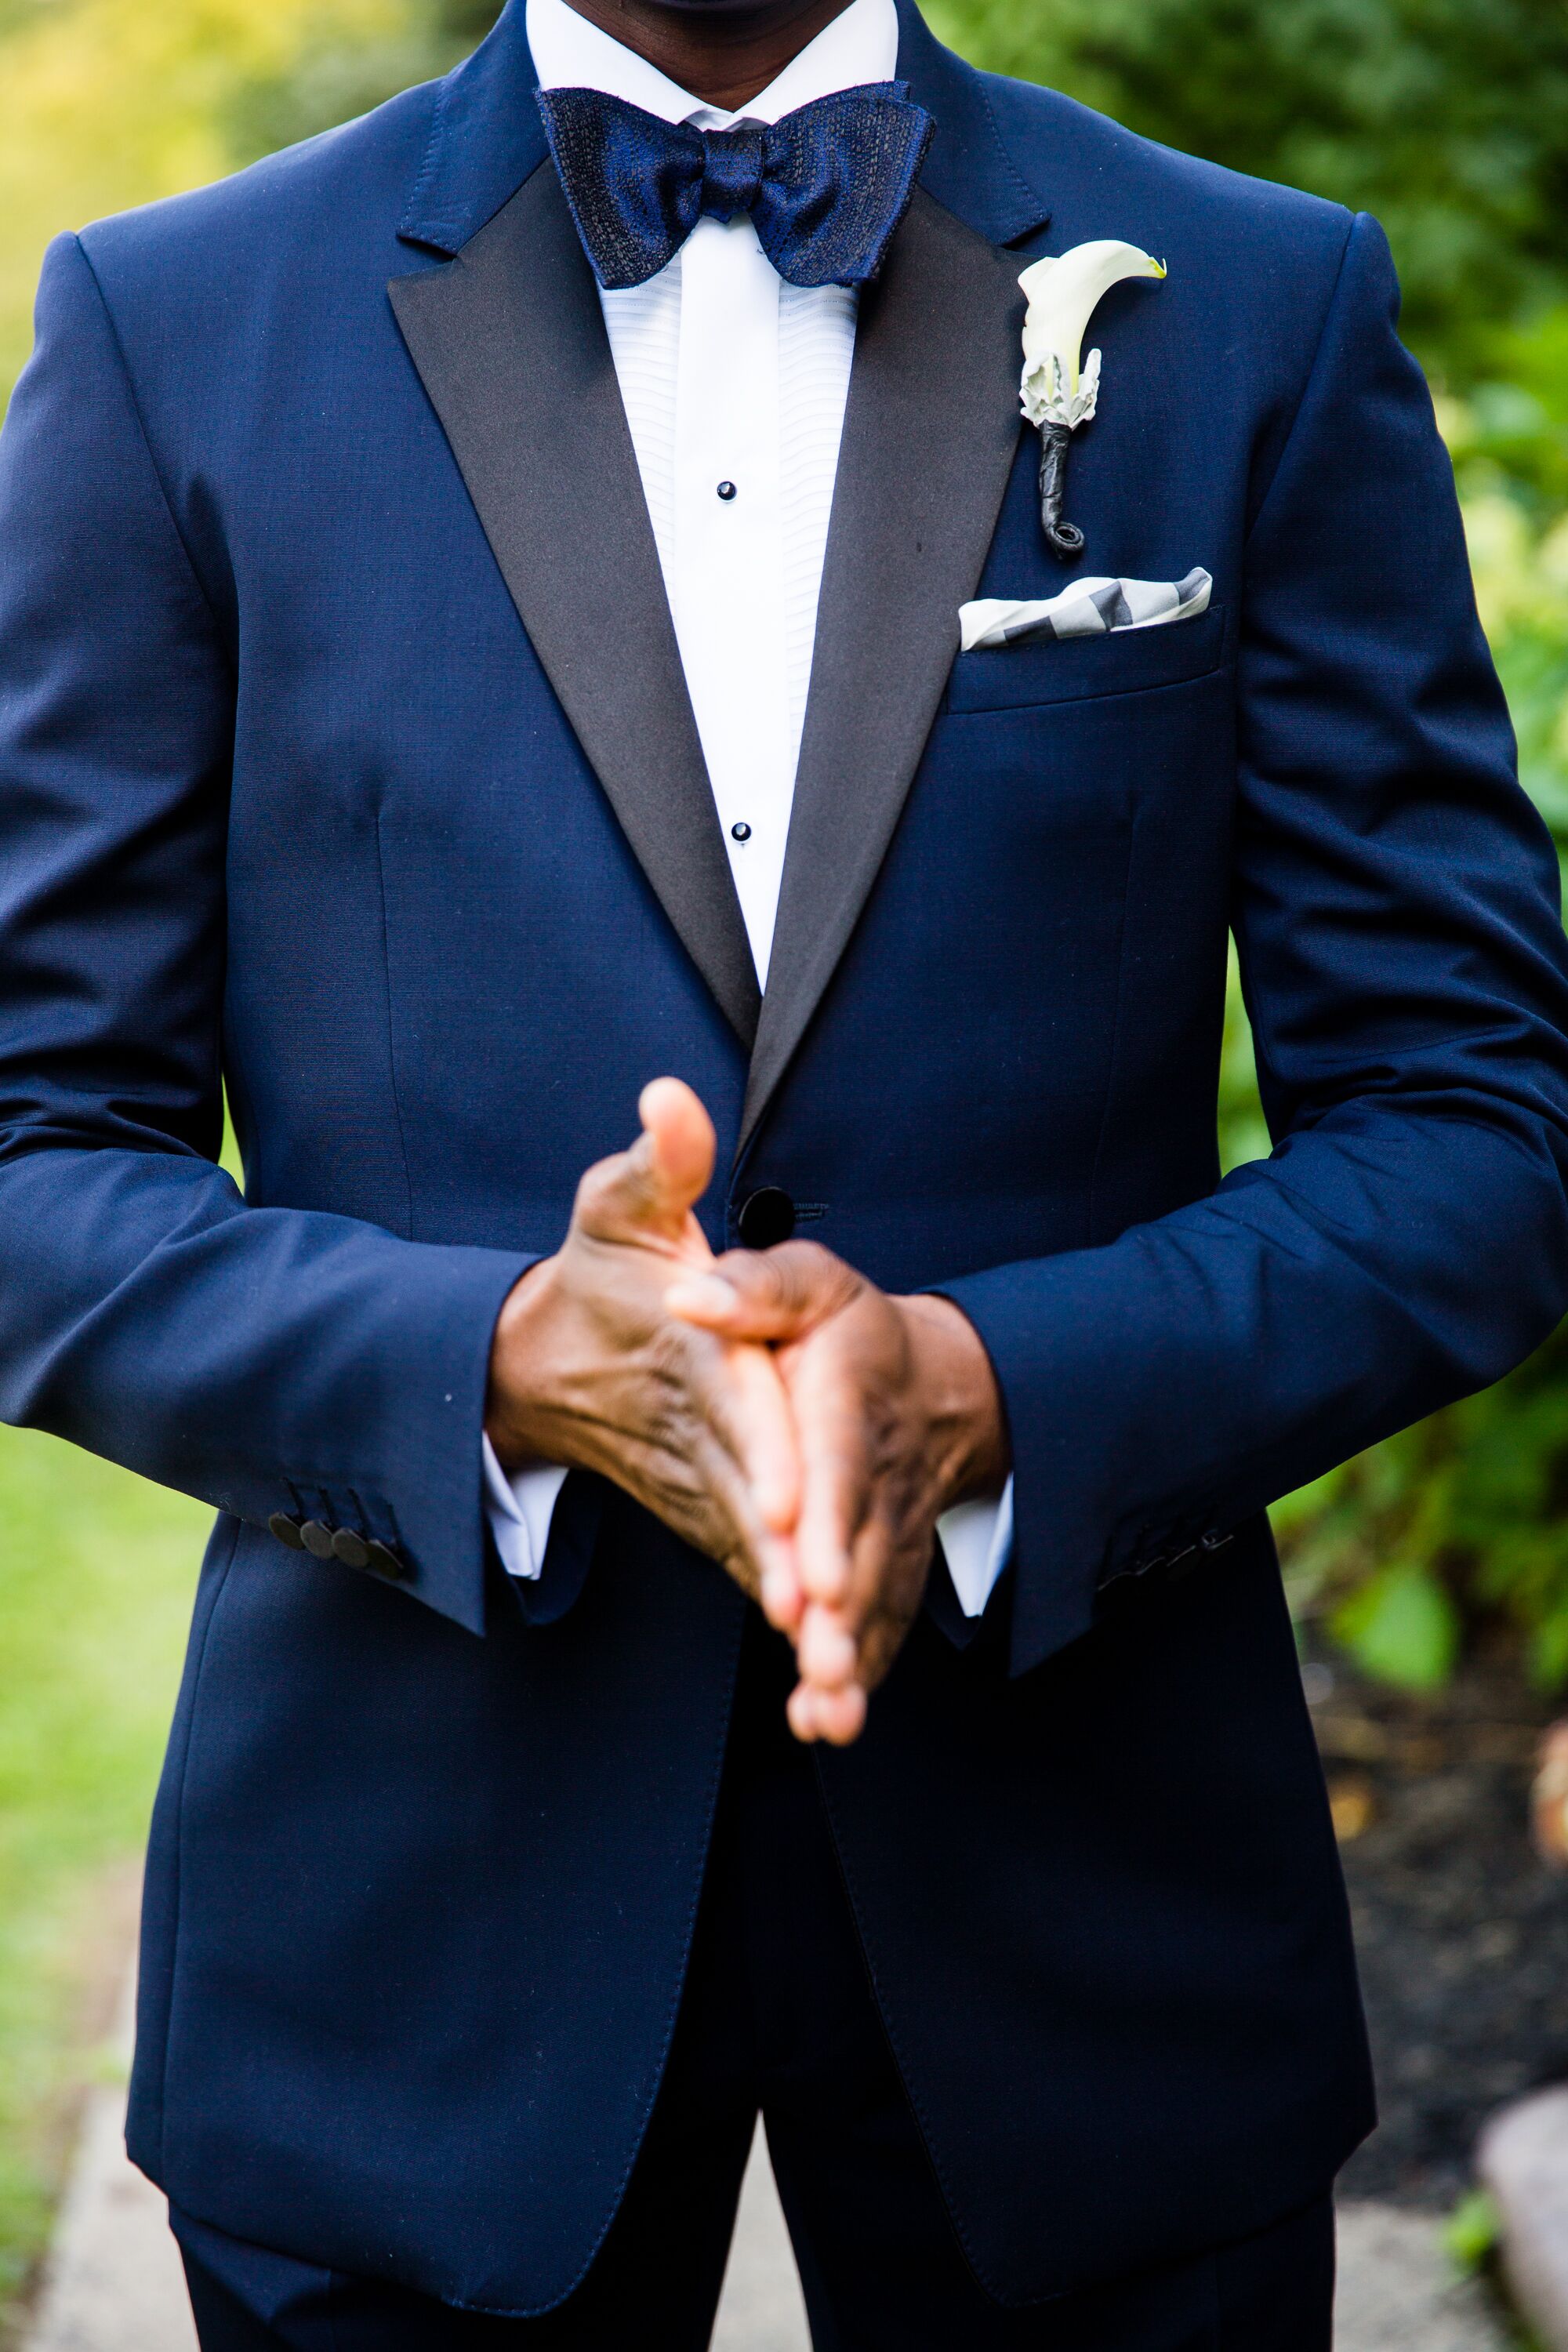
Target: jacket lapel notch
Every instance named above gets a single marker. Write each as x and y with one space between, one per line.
970 169
508 340
486 139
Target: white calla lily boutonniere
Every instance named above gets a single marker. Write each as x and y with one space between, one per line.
1059 391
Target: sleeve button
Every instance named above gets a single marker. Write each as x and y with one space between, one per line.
385 1562
287 1530
351 1549
317 1539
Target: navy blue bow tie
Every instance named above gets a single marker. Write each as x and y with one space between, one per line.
825 187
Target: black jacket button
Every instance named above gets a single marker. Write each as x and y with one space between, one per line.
766 1217
317 1539
351 1550
384 1561
287 1530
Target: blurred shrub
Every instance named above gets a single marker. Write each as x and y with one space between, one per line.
111 102
338 74
1446 118
1465 1518
114 103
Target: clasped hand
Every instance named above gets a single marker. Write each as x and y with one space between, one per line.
774 1408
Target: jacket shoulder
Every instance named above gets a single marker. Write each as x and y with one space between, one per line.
1092 168
354 178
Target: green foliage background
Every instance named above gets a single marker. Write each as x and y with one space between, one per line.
96 1570
1447 118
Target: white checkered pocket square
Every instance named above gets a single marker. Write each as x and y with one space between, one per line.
1089 608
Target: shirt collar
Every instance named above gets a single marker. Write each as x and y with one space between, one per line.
569 53
486 138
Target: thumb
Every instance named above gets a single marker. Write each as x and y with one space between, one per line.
773 1295
652 1188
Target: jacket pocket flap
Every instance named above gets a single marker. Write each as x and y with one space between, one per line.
1075 669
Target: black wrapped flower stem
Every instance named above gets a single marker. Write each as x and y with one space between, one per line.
1064 539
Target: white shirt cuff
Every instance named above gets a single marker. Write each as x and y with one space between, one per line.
976 1540
519 1509
977 1537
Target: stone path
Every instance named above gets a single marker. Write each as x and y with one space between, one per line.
115 2282
1398 2292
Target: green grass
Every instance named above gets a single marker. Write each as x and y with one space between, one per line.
97 1571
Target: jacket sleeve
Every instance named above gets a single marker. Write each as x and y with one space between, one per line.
268 1360
1395 909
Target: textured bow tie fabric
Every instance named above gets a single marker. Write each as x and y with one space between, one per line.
826 187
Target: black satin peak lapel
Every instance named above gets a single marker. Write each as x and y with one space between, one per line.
510 343
930 435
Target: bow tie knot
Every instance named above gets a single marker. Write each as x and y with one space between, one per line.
826 187
731 170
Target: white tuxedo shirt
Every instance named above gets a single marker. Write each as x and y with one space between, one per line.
734 385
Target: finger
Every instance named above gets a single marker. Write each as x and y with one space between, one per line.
879 1645
754 1418
742 1400
773 1295
835 1480
755 1555
750 1418
871 1584
761 1452
831 1502
800 1712
888 1575
781 1594
650 1190
708 1301
681 1137
839 1716
826 1650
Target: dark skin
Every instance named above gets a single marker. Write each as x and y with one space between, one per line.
779 1412
722 50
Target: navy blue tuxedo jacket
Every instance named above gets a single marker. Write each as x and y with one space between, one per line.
345 761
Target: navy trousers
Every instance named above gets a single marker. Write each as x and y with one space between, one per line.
778 2017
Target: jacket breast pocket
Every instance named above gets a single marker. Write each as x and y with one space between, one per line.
1078 669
